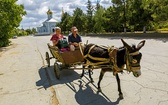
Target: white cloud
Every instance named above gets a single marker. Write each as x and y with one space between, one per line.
105 1
36 9
42 10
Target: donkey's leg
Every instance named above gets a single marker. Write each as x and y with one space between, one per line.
82 72
100 78
119 87
91 79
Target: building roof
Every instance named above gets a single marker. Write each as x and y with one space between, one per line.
51 20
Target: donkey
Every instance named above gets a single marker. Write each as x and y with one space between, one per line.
127 55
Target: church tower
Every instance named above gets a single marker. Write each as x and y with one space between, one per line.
49 13
62 12
47 26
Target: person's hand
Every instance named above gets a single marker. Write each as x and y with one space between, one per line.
75 44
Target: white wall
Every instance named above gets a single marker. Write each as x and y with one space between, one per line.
49 27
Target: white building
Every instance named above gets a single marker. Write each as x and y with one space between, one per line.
48 25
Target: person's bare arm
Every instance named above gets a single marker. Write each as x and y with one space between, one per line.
54 42
75 44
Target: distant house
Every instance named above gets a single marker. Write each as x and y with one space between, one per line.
47 26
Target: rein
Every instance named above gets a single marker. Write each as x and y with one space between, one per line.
101 60
130 67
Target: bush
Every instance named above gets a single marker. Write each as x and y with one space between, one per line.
4 42
162 29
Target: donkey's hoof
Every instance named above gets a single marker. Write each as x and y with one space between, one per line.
91 81
99 90
81 76
121 96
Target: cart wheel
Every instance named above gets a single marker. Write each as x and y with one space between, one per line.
57 70
47 59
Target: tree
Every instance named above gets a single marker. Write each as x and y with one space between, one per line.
22 32
133 14
99 20
118 15
34 30
98 4
65 21
10 18
140 14
109 22
89 16
78 19
28 31
160 13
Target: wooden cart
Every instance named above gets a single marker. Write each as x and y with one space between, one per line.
63 60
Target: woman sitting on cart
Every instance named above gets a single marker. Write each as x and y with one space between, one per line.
59 40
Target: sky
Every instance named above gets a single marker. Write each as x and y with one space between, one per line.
36 9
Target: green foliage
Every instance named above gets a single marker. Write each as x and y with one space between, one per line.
141 16
65 22
99 20
10 18
163 29
89 16
79 19
132 14
34 30
22 32
28 31
117 14
160 13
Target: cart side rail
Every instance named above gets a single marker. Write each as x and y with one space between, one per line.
56 53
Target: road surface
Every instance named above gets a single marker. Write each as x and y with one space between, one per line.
25 78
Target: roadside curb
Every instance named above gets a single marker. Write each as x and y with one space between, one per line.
54 98
132 35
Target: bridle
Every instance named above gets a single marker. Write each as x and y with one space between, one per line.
131 64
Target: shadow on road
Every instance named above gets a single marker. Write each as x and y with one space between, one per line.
48 78
82 96
86 96
43 82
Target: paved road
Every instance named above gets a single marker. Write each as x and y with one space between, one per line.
26 80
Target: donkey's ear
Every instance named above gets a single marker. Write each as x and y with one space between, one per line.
140 45
126 45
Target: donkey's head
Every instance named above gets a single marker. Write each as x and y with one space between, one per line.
133 57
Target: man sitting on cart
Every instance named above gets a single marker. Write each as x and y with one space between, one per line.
59 40
74 39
